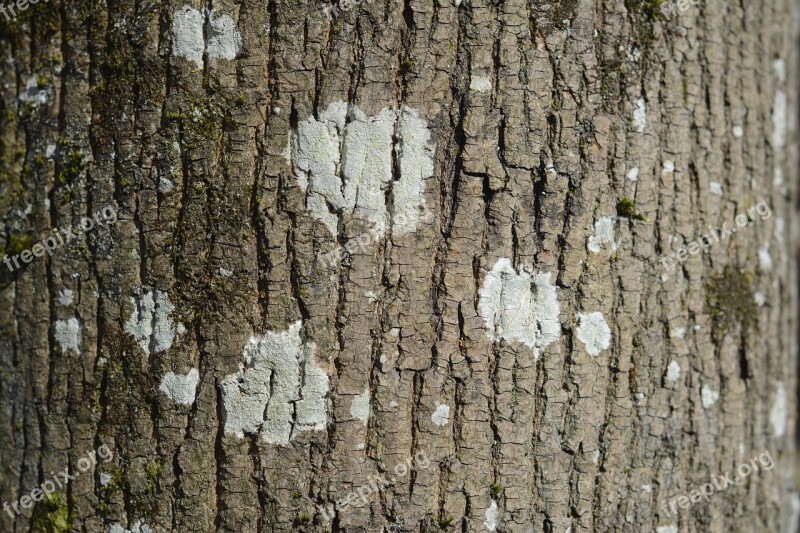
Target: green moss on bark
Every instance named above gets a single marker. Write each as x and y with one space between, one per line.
730 300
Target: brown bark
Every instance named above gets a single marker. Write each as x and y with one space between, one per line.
577 139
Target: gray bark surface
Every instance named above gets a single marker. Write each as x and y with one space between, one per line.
213 220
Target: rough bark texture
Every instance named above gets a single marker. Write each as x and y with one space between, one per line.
538 113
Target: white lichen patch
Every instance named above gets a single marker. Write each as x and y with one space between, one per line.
777 176
224 40
343 162
480 84
68 335
151 321
793 521
780 227
441 416
603 235
708 396
415 152
188 41
667 529
779 414
779 65
639 121
105 478
359 407
65 297
138 527
673 371
764 258
33 94
491 517
279 390
779 120
715 187
181 388
165 185
760 298
678 333
519 306
668 166
633 174
593 332
187 34
738 132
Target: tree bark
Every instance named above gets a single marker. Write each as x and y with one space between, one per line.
399 266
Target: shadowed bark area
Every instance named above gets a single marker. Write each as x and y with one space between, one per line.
416 266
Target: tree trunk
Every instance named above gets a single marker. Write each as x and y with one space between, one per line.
386 266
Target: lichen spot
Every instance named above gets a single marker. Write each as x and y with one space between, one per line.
708 396
187 34
188 40
151 322
342 160
34 94
491 517
181 388
603 236
68 335
779 120
441 416
480 84
764 258
519 306
673 371
593 332
224 40
359 407
279 390
779 414
760 299
138 527
779 65
65 297
633 174
639 115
